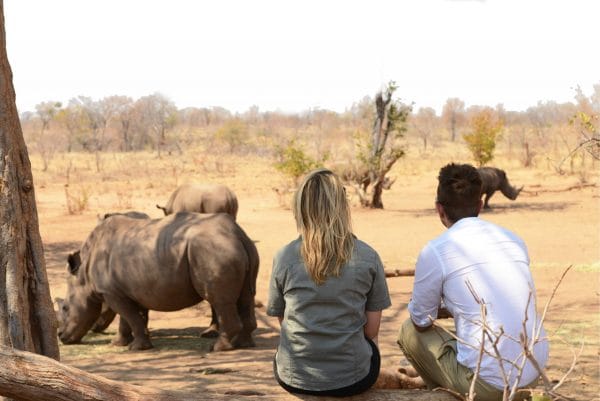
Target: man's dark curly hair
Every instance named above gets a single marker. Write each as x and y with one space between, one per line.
459 191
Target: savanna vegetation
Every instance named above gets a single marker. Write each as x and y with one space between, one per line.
362 143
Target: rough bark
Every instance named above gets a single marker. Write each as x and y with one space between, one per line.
27 319
25 376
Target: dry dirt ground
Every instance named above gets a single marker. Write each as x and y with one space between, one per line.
559 223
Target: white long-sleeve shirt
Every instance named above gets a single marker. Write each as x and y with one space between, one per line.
496 264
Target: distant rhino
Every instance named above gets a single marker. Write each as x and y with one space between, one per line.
202 198
135 265
494 179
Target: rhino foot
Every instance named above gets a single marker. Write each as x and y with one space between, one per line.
210 332
222 345
122 341
244 341
140 345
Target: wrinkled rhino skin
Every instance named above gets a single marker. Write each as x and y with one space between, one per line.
135 265
202 198
494 179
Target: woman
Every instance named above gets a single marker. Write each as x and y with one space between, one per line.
328 290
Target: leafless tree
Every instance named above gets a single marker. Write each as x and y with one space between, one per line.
158 114
423 123
453 115
46 111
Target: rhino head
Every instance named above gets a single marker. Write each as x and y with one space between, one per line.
80 309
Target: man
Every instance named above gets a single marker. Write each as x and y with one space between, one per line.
477 273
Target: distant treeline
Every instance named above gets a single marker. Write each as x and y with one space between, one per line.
153 122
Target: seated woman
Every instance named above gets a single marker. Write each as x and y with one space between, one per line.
328 289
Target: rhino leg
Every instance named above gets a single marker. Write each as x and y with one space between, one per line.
134 321
213 330
488 195
229 325
246 311
124 336
106 317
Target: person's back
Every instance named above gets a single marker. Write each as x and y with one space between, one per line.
478 273
481 262
328 289
323 344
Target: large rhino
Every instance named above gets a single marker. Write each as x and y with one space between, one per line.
136 265
202 198
494 179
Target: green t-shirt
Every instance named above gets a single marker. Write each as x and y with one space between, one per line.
322 344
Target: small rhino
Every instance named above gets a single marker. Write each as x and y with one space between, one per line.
202 198
494 179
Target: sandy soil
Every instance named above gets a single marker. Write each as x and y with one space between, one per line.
560 226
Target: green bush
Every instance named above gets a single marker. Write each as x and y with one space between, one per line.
481 141
294 162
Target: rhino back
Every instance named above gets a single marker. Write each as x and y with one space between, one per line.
203 198
217 247
157 262
490 178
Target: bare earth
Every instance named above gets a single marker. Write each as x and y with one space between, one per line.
560 226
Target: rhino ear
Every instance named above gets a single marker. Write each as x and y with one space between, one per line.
74 261
164 209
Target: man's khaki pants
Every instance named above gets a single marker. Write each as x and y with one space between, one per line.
433 354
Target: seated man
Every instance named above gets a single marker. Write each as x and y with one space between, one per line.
475 272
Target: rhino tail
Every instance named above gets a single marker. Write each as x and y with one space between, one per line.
253 262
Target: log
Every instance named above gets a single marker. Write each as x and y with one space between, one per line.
25 376
399 272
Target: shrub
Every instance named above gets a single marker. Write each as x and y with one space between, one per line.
294 162
481 141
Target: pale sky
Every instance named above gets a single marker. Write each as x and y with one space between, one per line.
291 55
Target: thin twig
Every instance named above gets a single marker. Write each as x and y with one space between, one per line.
568 372
543 318
472 394
453 393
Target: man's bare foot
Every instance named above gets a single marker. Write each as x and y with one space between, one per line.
409 371
391 379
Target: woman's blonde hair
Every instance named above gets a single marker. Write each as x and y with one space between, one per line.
323 219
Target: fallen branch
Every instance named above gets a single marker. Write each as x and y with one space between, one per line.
25 376
399 272
571 188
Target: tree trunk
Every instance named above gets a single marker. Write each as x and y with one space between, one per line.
29 377
27 318
376 201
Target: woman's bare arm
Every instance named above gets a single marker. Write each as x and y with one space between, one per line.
372 325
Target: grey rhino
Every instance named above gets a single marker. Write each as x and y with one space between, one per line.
494 179
202 198
136 265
